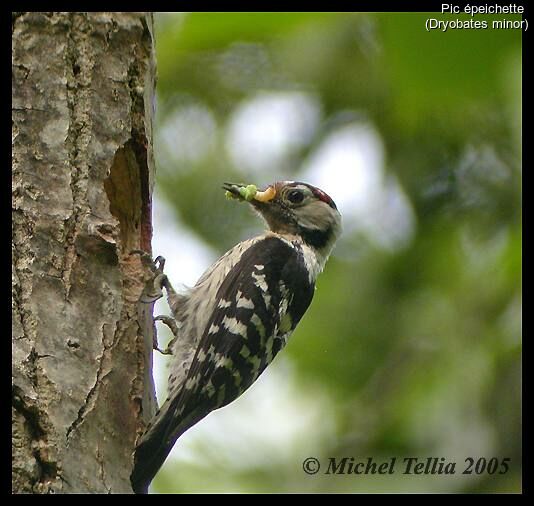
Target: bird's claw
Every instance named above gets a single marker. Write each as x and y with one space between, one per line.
154 287
156 265
173 326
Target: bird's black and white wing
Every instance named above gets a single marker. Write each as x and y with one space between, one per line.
258 305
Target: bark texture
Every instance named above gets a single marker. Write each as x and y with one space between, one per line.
82 98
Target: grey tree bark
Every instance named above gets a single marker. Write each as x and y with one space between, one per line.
82 178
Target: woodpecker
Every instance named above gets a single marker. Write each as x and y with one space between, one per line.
229 327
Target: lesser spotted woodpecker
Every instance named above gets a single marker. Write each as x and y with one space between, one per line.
233 322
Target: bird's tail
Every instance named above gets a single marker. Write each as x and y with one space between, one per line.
156 443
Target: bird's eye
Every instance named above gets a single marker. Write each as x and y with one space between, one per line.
295 196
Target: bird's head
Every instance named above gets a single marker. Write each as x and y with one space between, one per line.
294 208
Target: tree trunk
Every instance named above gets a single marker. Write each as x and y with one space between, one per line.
82 177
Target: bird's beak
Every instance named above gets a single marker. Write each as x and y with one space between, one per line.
250 192
263 201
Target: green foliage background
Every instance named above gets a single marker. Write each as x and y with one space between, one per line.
419 348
